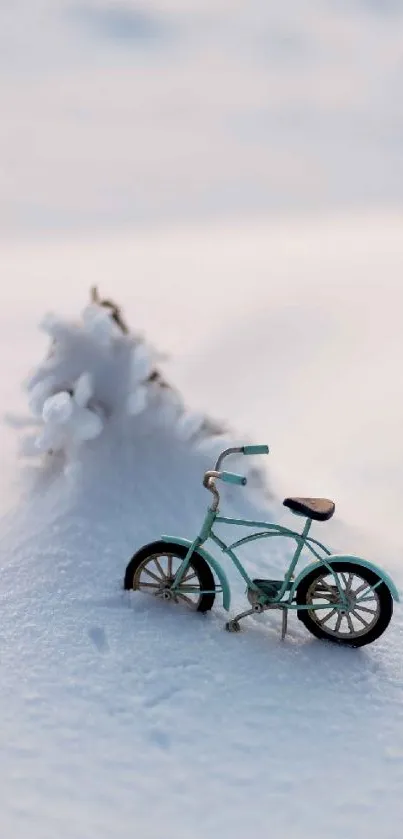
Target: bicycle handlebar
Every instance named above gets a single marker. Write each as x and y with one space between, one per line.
233 478
228 477
209 482
263 449
210 477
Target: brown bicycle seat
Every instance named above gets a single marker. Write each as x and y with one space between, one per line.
320 509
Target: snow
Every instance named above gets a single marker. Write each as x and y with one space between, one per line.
231 175
121 714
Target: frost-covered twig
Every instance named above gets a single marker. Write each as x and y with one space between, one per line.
96 372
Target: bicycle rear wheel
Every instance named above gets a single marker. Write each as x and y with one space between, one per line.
368 611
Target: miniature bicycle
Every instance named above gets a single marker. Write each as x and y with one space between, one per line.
340 598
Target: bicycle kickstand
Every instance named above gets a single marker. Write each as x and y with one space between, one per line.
284 623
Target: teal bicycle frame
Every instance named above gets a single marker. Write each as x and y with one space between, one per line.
279 588
302 540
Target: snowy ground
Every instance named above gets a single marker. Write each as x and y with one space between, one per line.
122 715
232 174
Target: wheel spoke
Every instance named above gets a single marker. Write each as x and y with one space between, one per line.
160 569
323 595
191 576
327 586
361 588
338 622
366 598
350 623
185 598
339 580
356 615
148 585
364 609
343 577
169 565
327 617
152 575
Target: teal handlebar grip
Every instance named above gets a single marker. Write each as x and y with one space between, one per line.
233 478
255 449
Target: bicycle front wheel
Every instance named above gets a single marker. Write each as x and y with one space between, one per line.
153 568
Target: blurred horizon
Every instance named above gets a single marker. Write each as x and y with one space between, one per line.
118 113
233 173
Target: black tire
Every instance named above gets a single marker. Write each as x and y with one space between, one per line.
382 613
198 564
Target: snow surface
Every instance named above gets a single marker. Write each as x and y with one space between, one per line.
170 146
121 716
